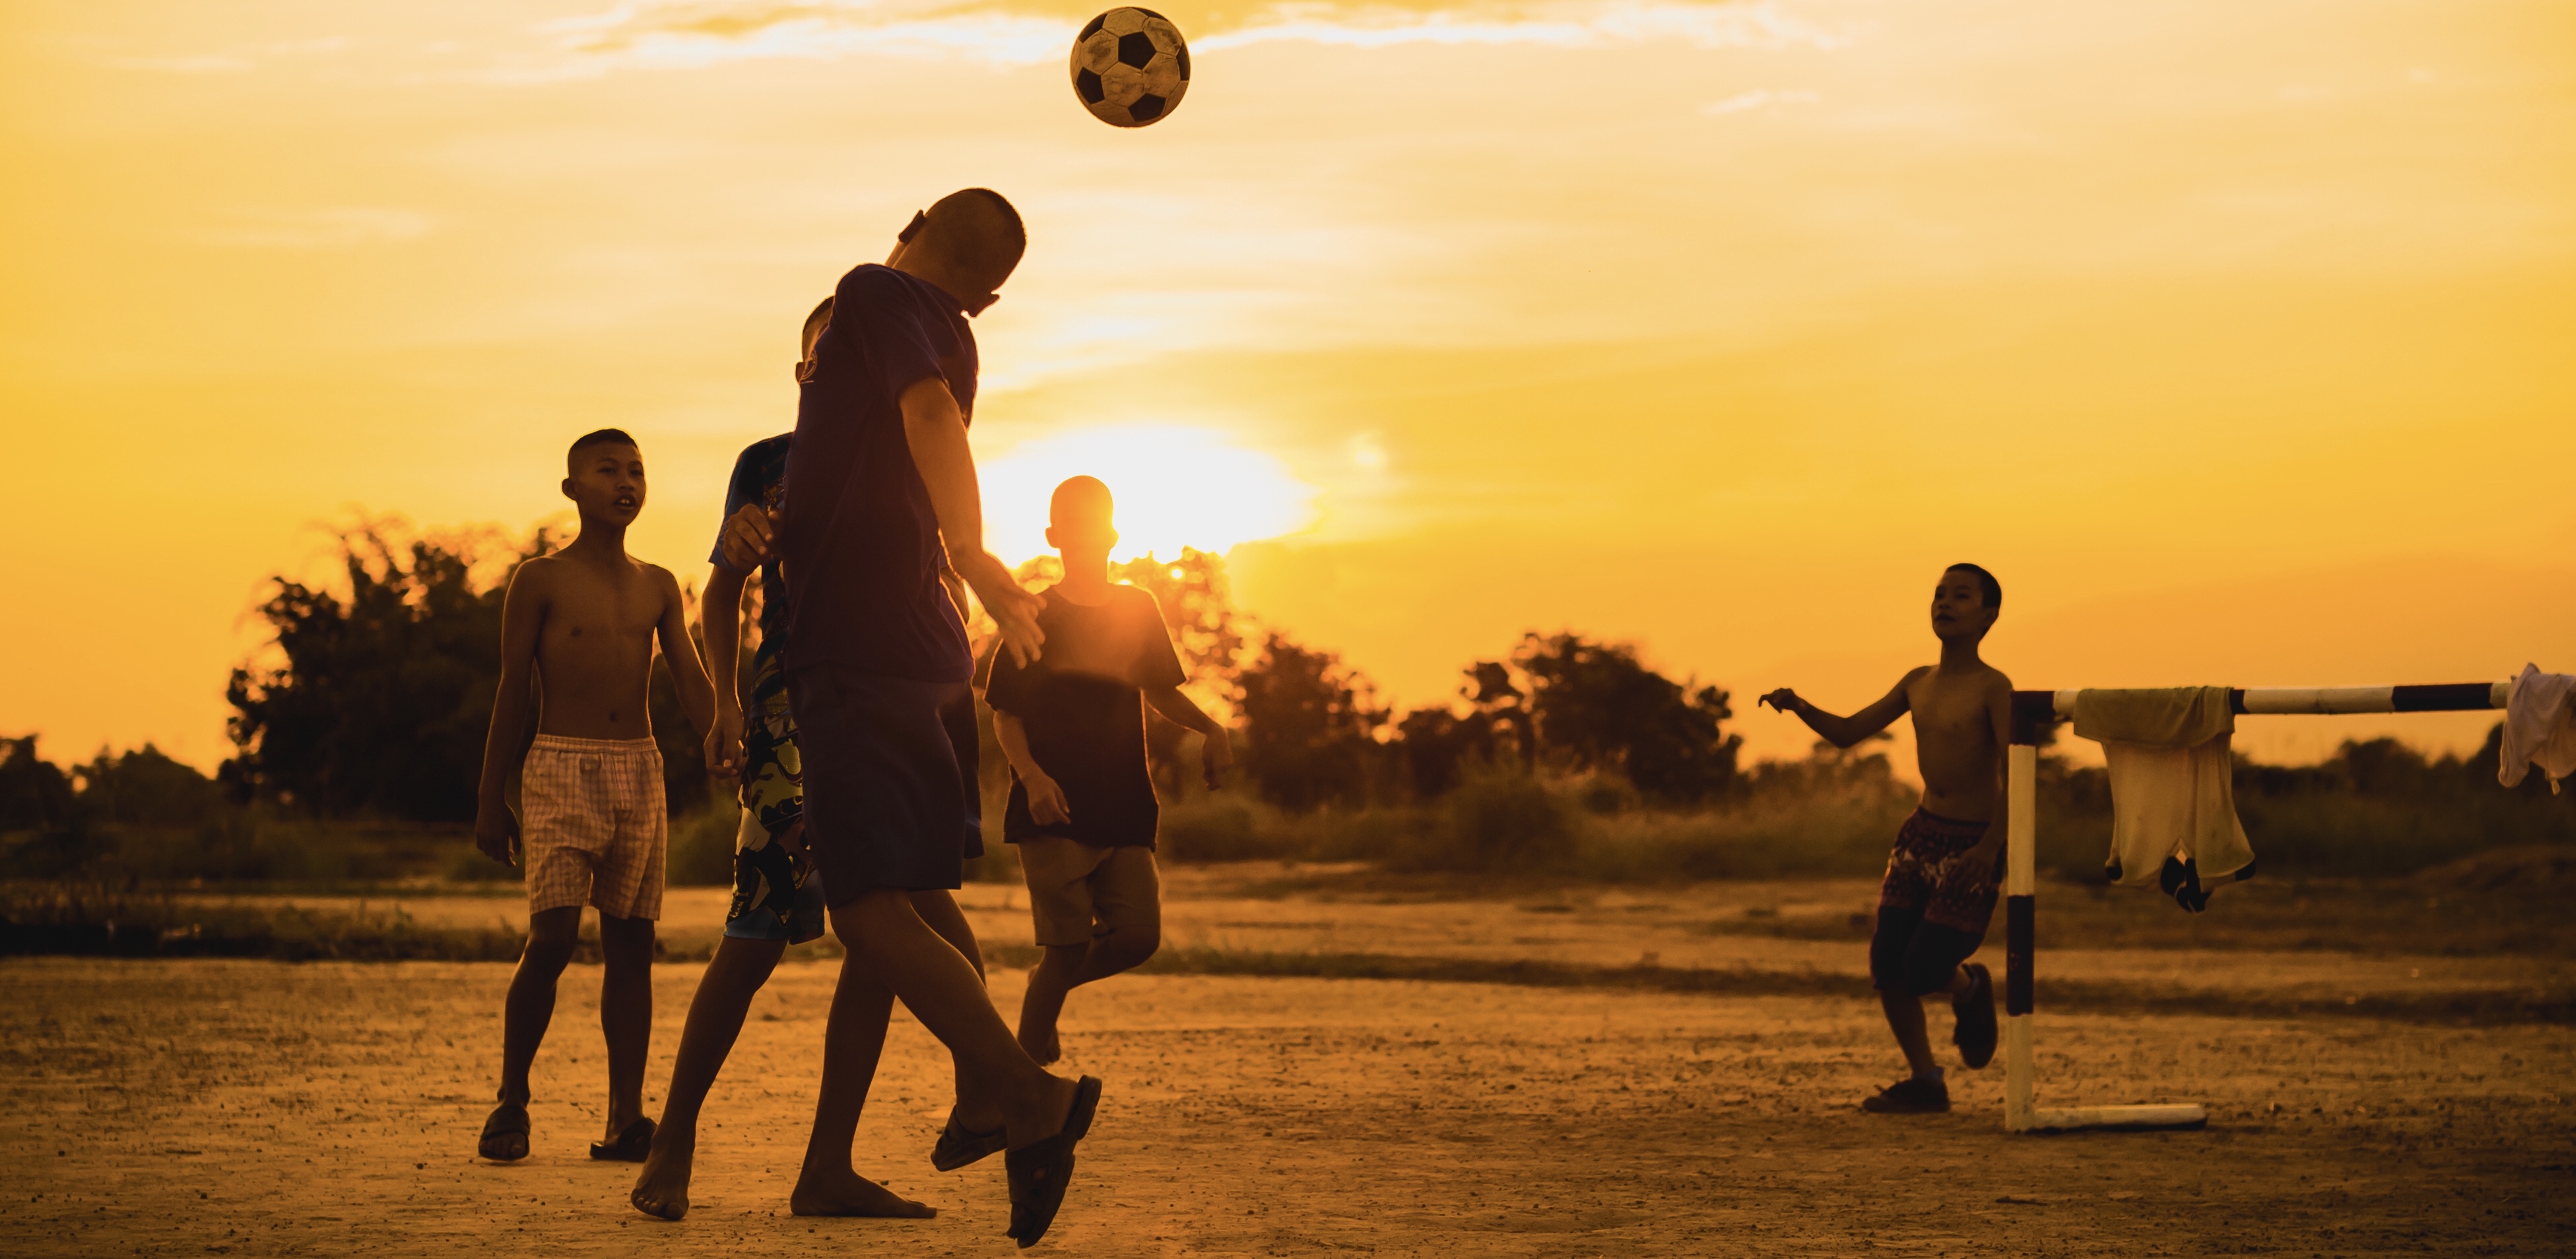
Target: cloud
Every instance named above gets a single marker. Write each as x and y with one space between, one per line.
205 63
1756 99
681 34
337 227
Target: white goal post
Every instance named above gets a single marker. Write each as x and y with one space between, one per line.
2033 713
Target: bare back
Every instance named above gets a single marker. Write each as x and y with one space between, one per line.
594 648
1960 716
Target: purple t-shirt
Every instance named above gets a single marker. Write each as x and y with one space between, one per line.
862 546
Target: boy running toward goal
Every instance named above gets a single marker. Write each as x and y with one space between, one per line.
1939 893
1082 805
591 825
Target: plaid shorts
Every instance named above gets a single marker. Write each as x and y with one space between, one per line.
593 826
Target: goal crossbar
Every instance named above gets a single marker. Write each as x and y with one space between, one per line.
2033 713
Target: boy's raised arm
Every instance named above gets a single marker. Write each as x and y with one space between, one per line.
505 748
936 434
1843 732
720 626
680 652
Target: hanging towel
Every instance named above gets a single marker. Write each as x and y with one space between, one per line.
2539 728
2171 772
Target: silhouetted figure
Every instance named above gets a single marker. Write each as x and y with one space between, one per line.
1082 808
881 496
591 825
777 892
1939 893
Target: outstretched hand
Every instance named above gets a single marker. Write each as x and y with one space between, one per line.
1014 610
1784 700
750 537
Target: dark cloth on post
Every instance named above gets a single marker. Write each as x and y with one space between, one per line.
760 476
1082 705
1933 905
862 546
885 795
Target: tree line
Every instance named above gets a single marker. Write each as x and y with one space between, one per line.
374 693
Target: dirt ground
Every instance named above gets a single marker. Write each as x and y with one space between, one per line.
162 1107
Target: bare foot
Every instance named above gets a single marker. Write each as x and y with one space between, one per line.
1039 1040
845 1192
662 1188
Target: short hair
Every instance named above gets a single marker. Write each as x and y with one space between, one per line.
815 322
1987 587
1081 501
597 437
977 232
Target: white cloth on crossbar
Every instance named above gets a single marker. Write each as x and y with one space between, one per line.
2172 779
2539 728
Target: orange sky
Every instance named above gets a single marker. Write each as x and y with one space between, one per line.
2235 338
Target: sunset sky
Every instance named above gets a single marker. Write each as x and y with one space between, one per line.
2238 339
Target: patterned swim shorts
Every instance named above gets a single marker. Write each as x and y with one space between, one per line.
593 828
776 893
1928 875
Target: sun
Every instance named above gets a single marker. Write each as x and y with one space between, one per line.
1175 485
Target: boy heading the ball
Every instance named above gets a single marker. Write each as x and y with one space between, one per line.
1939 892
591 825
777 893
882 497
1082 805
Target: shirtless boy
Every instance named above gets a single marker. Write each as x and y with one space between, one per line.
1082 805
1939 893
591 826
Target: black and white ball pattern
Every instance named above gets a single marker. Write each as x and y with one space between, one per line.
1130 67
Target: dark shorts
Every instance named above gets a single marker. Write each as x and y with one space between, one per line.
1933 906
889 771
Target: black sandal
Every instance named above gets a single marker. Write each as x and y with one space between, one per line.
509 1119
960 1146
633 1145
1040 1171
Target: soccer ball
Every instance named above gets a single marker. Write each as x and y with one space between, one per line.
1130 67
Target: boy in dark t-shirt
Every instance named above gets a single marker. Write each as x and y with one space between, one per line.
1082 805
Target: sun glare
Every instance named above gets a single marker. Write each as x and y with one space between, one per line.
1175 486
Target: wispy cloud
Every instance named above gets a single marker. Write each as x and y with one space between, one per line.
1756 99
679 34
335 227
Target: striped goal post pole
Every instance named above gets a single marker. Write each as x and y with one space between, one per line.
2033 712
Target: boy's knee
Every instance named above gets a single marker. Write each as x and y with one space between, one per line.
1925 975
1128 946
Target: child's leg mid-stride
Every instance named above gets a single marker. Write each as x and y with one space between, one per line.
1098 913
733 977
1932 916
525 1013
625 1015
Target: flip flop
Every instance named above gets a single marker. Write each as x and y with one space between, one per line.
1973 1026
960 1146
1040 1171
509 1119
633 1145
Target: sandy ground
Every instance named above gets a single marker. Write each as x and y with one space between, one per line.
262 1108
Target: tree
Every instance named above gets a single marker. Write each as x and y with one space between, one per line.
143 787
1595 707
1437 743
1310 734
384 695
